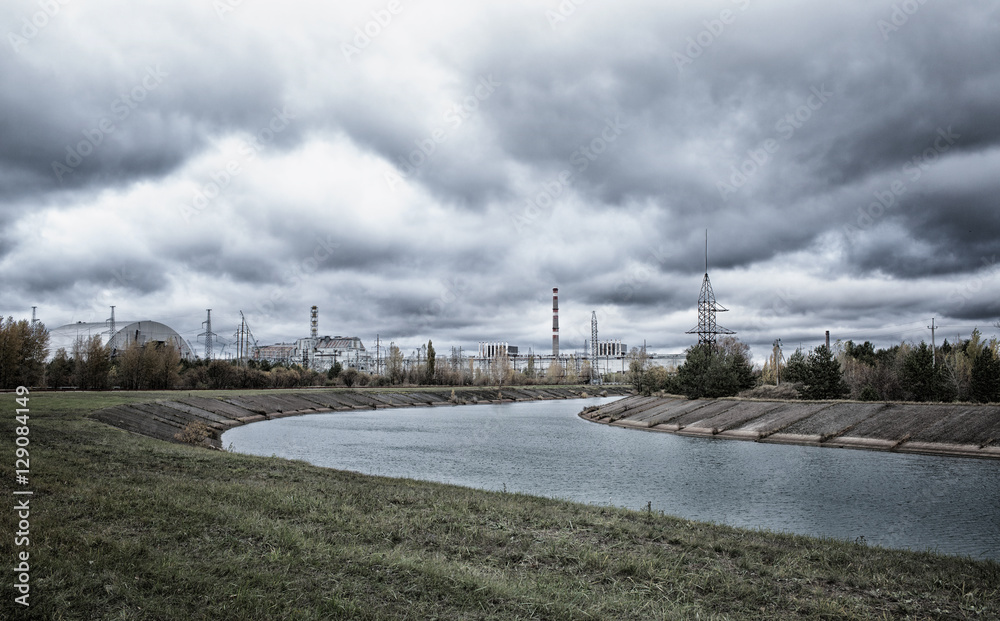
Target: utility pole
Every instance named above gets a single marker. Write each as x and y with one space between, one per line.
933 344
777 362
243 336
239 343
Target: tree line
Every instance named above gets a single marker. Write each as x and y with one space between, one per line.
968 371
91 365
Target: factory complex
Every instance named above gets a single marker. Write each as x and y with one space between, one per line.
598 358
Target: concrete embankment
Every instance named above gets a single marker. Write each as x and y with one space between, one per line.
165 419
940 429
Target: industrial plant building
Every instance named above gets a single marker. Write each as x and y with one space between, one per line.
118 338
320 353
316 352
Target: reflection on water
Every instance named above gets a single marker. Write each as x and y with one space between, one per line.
907 501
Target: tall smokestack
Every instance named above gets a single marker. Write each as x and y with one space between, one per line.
555 321
828 339
314 322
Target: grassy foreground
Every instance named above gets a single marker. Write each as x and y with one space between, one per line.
125 527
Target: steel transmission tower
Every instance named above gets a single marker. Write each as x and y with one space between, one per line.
208 334
244 337
595 375
707 328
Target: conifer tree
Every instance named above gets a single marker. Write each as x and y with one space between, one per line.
824 379
984 385
796 370
920 376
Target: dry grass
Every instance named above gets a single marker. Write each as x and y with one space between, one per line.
128 527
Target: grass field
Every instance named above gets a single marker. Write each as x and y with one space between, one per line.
126 527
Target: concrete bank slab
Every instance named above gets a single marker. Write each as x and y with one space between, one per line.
971 430
164 419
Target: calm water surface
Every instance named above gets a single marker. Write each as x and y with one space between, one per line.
951 505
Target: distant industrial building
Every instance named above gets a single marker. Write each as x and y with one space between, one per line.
323 352
492 350
141 332
279 353
316 352
319 354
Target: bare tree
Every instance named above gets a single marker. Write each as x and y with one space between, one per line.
501 371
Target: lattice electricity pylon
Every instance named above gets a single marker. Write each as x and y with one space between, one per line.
209 335
595 375
707 328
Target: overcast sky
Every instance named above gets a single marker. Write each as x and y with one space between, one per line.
430 170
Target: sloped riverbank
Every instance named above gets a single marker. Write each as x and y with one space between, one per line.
963 430
164 419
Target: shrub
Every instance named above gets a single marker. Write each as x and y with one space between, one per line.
195 433
770 391
868 393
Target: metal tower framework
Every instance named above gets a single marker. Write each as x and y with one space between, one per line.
595 375
707 329
208 334
244 337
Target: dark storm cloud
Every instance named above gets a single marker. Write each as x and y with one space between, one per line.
589 153
72 119
127 275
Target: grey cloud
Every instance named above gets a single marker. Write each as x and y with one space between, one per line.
655 186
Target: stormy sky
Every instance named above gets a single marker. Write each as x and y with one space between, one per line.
430 170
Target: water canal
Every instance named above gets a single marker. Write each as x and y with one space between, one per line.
919 502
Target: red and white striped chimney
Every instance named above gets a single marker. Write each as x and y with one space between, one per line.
555 321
